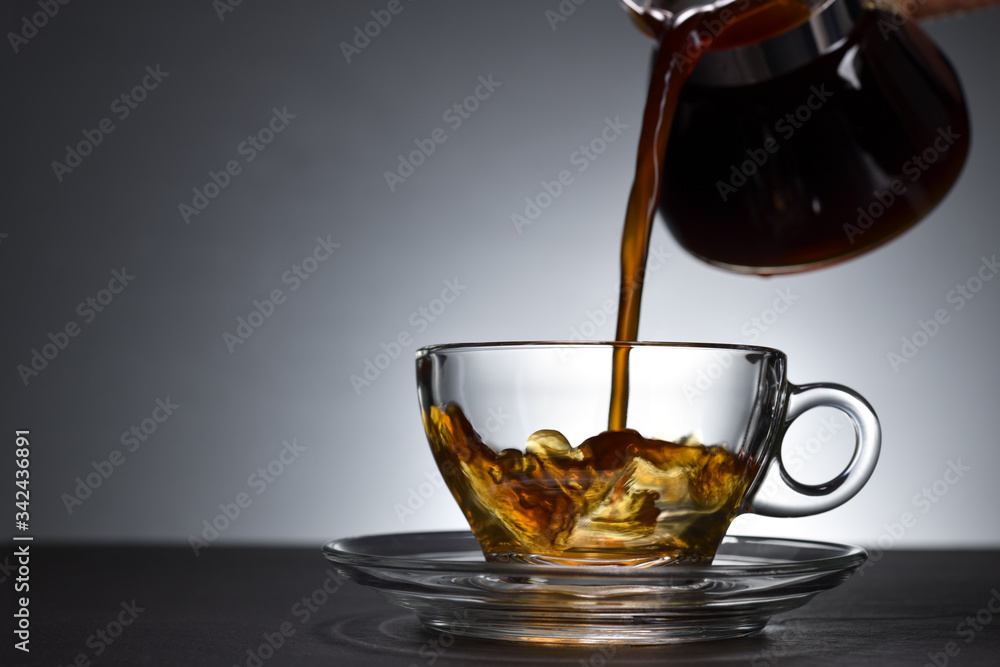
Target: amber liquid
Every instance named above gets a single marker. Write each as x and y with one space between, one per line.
618 498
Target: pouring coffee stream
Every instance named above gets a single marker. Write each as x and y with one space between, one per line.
682 40
889 97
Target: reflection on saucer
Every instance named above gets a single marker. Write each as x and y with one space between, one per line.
393 633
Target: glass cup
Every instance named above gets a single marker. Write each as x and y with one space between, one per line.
519 433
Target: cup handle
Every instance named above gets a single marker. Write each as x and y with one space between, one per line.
817 498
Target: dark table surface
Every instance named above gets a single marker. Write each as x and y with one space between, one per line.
217 608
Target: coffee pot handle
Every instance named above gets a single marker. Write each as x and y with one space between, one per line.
791 498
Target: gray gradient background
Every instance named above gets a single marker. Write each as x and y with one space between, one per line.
324 176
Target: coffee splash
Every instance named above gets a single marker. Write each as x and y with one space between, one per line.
617 498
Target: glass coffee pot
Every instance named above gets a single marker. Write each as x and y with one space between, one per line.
812 146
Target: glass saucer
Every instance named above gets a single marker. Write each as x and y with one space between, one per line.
445 580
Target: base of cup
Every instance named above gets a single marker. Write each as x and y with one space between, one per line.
538 627
590 560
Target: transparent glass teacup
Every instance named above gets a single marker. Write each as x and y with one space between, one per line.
519 432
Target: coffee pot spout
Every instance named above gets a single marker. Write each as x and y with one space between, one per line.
648 16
